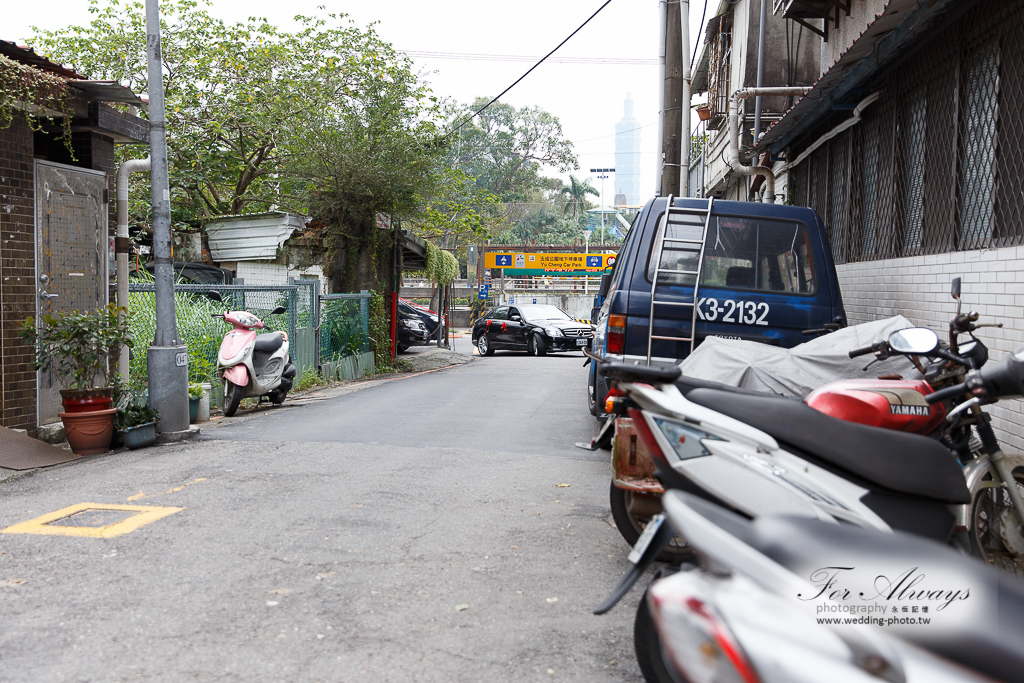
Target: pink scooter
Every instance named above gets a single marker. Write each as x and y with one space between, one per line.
252 365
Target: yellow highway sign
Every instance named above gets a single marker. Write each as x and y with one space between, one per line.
548 260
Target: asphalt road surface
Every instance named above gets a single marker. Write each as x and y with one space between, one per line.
439 527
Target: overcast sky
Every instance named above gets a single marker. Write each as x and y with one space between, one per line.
586 97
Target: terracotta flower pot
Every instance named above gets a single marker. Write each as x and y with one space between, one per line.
86 400
89 432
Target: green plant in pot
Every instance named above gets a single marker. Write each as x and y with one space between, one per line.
76 348
137 425
195 394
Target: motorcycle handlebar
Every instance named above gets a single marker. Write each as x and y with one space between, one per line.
862 352
943 394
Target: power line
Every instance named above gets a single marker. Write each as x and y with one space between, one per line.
541 61
696 47
627 61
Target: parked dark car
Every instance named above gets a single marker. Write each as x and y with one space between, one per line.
534 328
429 318
411 331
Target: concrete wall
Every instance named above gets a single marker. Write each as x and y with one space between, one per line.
918 287
862 13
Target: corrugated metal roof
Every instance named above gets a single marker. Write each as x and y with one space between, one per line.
255 237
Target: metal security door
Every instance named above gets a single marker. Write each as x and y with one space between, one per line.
71 253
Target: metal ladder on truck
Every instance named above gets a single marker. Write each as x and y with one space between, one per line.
693 225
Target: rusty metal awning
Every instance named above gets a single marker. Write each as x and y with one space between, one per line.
892 34
109 91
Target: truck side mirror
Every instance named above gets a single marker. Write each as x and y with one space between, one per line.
606 283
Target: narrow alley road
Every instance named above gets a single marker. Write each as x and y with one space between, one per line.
439 527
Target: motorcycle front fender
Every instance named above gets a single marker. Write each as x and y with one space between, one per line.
981 474
237 374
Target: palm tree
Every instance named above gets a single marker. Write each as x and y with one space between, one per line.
576 195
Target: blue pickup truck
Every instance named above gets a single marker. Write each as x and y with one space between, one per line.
702 267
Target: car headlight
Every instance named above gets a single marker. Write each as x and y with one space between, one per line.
553 331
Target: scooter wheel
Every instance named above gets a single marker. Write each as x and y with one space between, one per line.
647 643
277 397
232 397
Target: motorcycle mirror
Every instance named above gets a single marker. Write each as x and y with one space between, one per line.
914 340
215 295
278 310
955 290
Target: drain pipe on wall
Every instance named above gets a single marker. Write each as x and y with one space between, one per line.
732 155
848 123
121 245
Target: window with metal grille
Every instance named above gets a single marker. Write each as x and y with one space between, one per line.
979 86
838 183
719 37
912 134
869 186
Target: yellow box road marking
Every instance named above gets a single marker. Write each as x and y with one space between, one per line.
143 515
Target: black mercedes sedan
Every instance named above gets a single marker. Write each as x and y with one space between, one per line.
535 328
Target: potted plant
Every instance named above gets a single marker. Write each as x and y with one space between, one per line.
195 395
75 347
137 425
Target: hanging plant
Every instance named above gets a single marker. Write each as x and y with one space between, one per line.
442 267
23 88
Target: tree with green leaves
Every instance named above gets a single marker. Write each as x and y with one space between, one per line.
239 97
506 148
575 194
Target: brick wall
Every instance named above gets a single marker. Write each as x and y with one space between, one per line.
17 276
918 287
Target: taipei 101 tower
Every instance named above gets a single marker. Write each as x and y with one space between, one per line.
627 155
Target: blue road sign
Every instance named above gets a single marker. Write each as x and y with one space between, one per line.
483 292
594 262
534 301
503 260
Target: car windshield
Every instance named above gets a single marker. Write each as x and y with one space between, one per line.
542 312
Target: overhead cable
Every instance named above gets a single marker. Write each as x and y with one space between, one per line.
541 61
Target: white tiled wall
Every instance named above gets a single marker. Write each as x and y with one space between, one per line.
270 273
918 288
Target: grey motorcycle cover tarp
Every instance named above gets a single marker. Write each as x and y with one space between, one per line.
801 369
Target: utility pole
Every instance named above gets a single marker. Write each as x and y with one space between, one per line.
603 175
684 48
660 160
673 114
167 357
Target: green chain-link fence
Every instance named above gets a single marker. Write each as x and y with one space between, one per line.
202 334
344 325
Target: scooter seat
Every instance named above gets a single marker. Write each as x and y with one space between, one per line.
988 643
268 343
687 384
894 461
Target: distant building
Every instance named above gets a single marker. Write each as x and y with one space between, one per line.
627 155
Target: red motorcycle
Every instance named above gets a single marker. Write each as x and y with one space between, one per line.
889 402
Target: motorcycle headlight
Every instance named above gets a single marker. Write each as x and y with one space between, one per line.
553 331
